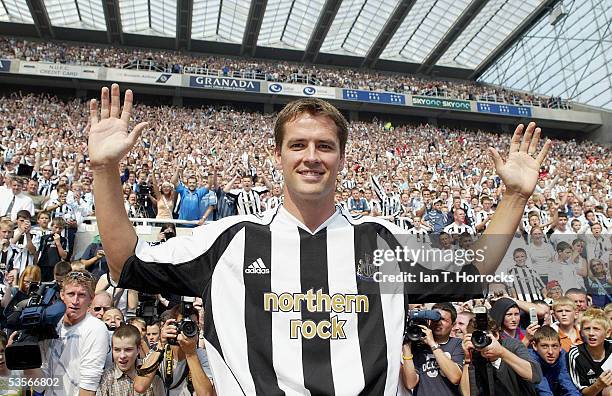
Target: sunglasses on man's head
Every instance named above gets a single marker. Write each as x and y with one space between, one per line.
79 274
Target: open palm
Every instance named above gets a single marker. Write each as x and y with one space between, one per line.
521 169
109 140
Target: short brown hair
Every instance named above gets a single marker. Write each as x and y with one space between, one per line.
312 106
128 331
545 333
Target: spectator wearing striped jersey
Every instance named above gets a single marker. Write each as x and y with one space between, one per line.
248 200
390 206
527 284
585 361
458 226
484 216
46 181
22 242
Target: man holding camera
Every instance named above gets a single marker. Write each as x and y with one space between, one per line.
432 366
494 367
180 362
77 356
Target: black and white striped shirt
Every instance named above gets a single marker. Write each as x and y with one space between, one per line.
458 229
287 310
348 184
527 283
46 187
390 204
248 202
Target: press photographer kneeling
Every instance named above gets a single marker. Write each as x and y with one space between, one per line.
176 356
492 367
431 358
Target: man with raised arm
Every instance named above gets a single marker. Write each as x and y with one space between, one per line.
292 305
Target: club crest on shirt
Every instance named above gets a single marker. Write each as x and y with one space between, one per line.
366 268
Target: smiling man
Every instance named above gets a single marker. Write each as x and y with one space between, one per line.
291 306
77 356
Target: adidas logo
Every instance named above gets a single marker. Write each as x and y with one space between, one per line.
591 372
257 267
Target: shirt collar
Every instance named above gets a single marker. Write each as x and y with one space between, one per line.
288 218
117 373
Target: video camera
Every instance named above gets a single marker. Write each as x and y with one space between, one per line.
419 318
147 308
186 325
481 337
36 317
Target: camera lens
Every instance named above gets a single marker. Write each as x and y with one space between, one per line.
480 339
414 333
189 328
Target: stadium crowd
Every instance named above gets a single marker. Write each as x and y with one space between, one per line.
278 71
549 323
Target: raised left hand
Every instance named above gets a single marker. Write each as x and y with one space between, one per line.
521 169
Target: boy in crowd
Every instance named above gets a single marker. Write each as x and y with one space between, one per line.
527 284
569 333
53 248
585 360
118 380
552 358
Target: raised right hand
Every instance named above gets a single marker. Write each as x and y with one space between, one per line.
109 140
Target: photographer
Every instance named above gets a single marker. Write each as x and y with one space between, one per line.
504 368
432 366
187 364
94 258
145 199
77 356
167 231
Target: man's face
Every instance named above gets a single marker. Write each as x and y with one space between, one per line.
442 328
580 300
555 292
486 205
445 241
125 353
100 304
32 187
459 216
548 349
77 299
355 194
460 327
565 315
247 183
576 226
310 158
562 222
16 187
153 334
47 172
192 183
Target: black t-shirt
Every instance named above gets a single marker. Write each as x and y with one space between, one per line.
49 256
583 370
431 379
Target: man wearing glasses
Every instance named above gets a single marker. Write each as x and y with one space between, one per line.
77 356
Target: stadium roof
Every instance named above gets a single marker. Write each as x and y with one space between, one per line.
444 38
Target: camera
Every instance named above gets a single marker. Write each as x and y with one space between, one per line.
186 325
419 318
147 307
481 337
36 317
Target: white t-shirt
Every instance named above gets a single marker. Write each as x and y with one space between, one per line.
77 356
